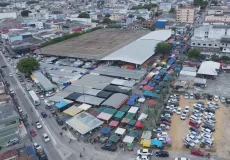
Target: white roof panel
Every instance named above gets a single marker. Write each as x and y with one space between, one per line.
209 68
161 35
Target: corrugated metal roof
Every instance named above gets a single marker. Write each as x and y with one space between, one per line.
46 84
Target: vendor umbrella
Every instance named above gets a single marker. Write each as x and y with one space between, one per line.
139 124
152 102
114 123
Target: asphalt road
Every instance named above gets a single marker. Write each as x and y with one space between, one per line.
26 106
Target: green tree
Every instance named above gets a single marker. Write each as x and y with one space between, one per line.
27 65
225 58
163 48
83 15
201 3
107 21
145 6
107 15
172 10
25 13
131 16
195 53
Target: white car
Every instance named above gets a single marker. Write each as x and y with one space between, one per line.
222 100
10 74
183 116
37 146
193 138
216 98
188 141
191 96
178 111
11 90
143 157
46 137
42 97
38 125
162 134
181 158
186 96
186 109
207 136
144 152
206 130
198 136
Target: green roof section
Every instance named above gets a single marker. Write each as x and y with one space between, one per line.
119 114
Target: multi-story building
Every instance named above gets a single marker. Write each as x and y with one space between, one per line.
186 15
165 6
9 124
212 38
215 11
12 15
217 18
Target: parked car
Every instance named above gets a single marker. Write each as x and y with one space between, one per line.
197 135
216 98
188 141
143 157
157 130
33 133
46 137
109 147
162 154
178 111
186 109
38 148
207 136
38 125
166 119
191 96
144 152
44 115
183 116
194 129
166 123
207 142
206 130
197 152
186 96
193 138
59 121
210 127
222 100
181 158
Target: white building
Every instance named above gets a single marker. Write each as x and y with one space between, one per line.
213 38
217 18
165 6
8 15
215 11
20 5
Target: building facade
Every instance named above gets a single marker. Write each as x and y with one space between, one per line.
9 122
8 15
212 38
186 15
218 18
165 7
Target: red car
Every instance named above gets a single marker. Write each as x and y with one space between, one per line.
197 152
33 133
166 123
194 124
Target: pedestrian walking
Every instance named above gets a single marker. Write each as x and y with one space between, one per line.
80 155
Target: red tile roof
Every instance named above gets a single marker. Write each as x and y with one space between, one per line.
9 154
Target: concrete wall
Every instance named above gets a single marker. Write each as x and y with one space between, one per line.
185 15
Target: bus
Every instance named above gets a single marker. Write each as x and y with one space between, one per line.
34 97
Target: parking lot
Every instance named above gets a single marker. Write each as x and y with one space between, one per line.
180 129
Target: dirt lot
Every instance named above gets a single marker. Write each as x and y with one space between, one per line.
179 129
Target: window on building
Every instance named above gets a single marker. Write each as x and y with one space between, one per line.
209 44
204 44
224 49
193 43
198 44
215 44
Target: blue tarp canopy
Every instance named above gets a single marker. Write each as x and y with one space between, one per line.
130 102
156 143
61 104
177 69
167 77
134 96
105 130
151 83
157 77
171 61
163 71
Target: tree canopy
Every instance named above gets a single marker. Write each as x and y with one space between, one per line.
107 15
25 13
145 6
83 15
201 3
27 65
195 53
225 58
107 21
139 18
163 48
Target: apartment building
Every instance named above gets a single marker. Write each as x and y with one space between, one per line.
217 18
186 15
